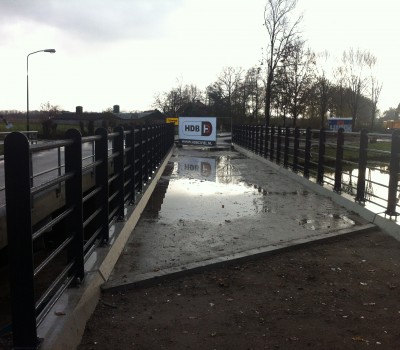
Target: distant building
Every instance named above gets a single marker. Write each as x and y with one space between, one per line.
98 118
149 117
195 109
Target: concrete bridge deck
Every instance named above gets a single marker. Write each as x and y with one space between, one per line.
209 207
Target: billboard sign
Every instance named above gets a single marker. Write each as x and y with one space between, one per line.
336 123
198 130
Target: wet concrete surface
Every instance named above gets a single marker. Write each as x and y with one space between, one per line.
212 205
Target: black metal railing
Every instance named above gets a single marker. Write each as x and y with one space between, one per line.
116 175
340 160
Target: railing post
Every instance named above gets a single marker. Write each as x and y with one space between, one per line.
261 140
253 138
130 160
149 151
272 143
145 154
164 140
101 156
296 147
118 147
321 157
393 174
279 145
266 142
139 158
73 199
170 130
235 134
158 144
248 139
307 153
339 161
153 151
287 144
257 148
362 166
19 235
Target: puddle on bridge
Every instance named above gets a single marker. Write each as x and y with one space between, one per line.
213 190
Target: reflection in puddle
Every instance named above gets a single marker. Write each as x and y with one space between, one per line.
198 168
212 190
192 199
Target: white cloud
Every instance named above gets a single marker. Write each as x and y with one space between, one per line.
97 20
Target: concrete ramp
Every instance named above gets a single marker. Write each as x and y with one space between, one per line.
215 207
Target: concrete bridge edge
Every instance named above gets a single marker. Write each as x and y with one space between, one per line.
64 325
386 225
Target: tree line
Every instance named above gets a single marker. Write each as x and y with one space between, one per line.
290 86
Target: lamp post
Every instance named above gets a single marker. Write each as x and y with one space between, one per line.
27 85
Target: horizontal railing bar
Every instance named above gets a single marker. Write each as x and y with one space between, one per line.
112 214
91 138
46 172
48 146
91 217
112 178
112 196
91 240
50 224
54 284
51 183
53 300
53 254
92 193
92 247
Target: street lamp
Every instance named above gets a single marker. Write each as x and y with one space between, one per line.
27 85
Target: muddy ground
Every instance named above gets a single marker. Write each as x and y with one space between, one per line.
340 294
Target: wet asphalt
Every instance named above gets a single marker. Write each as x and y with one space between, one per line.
213 206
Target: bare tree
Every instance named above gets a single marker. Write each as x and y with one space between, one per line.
296 78
170 102
251 90
339 88
228 82
376 88
354 64
322 87
281 32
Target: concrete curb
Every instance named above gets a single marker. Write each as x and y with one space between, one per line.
388 226
64 326
152 278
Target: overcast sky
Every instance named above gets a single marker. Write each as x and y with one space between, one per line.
125 51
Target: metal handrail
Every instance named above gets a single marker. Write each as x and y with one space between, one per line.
322 162
119 173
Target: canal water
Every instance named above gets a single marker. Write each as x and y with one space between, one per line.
376 189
